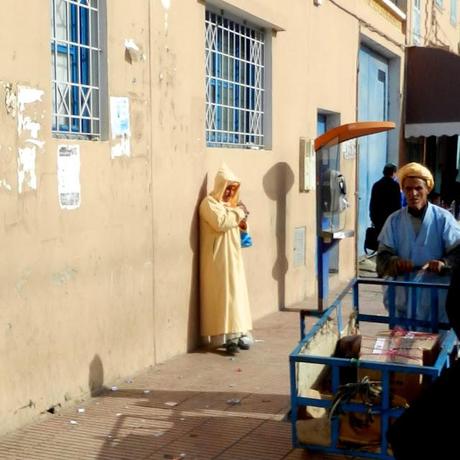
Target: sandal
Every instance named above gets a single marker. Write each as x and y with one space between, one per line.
244 343
231 347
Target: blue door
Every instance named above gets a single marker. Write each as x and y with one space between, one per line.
372 106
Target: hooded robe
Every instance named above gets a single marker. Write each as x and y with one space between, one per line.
224 296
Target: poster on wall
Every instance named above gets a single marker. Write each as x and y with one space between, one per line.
119 123
69 176
348 149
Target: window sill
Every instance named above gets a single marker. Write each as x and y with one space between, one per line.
76 137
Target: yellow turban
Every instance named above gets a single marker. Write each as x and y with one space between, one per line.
418 171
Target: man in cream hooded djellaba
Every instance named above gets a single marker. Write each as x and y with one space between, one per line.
225 311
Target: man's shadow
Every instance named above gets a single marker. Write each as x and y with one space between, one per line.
193 335
96 376
277 182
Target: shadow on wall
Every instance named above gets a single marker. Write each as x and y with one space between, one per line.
96 376
277 182
193 335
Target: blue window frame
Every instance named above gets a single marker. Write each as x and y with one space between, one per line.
75 62
234 83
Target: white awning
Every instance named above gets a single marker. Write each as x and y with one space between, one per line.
432 129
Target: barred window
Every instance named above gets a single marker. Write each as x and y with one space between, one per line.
76 67
234 83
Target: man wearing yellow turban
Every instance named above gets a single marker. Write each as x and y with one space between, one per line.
418 243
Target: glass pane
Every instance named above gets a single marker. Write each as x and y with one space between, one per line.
95 125
62 68
94 36
95 103
61 19
94 71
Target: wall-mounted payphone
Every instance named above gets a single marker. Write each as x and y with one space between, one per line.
331 193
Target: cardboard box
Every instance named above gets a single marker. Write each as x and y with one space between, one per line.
401 347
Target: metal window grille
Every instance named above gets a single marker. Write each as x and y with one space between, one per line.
234 83
75 65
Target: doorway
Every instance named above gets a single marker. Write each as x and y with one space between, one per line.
373 150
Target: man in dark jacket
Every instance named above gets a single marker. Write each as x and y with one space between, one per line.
385 197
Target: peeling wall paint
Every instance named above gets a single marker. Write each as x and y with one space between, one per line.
28 132
4 184
166 5
61 278
68 164
10 100
28 95
26 168
120 126
134 51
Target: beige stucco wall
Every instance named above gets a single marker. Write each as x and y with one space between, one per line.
76 285
95 294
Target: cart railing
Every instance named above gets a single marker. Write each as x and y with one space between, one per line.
384 408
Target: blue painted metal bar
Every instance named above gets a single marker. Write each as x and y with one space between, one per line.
354 453
335 431
435 309
356 296
401 321
414 297
386 405
294 400
385 282
302 325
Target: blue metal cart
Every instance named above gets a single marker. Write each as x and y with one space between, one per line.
306 363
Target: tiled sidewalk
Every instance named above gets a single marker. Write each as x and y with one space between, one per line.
199 406
202 405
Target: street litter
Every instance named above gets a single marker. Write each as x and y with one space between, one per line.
146 392
233 402
81 410
171 403
73 422
114 388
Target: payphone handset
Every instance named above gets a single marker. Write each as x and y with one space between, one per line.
334 192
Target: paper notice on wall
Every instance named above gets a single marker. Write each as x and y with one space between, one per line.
119 122
69 176
348 149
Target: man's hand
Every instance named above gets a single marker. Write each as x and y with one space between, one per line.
404 266
434 266
244 208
